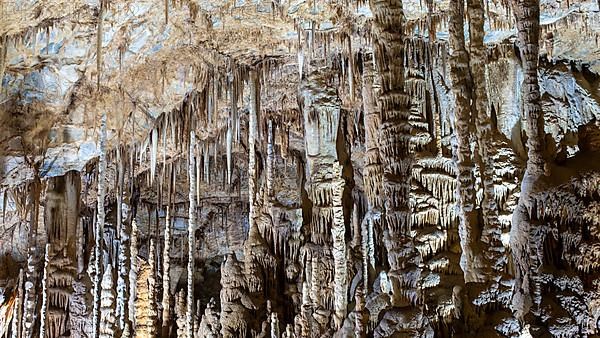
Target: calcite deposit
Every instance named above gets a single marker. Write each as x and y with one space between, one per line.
292 169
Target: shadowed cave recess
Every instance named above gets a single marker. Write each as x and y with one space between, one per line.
293 168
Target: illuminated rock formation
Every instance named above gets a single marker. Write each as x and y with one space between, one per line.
299 169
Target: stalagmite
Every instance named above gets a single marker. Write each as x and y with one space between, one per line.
32 259
166 298
209 325
122 267
18 308
133 270
107 312
146 313
99 229
274 325
361 316
122 287
189 324
44 308
180 313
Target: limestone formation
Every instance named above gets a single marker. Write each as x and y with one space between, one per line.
302 169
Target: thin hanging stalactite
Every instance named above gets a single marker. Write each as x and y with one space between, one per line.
229 144
270 158
254 90
99 38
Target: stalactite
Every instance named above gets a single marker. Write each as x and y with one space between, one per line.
166 12
191 228
229 145
153 154
44 308
100 216
206 158
270 158
254 90
99 38
3 61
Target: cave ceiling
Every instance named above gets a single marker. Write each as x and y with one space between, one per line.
153 55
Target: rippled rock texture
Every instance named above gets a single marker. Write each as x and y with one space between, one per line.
299 169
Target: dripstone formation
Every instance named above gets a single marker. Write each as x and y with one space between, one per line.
292 169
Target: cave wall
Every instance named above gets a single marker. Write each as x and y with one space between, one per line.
379 180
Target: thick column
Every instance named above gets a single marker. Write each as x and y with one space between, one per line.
325 184
527 13
395 135
61 217
469 229
372 171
